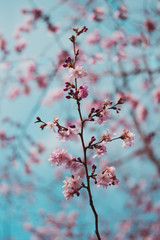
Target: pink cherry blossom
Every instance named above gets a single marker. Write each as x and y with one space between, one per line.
107 136
100 150
104 116
72 186
70 134
127 137
51 125
107 177
58 157
83 91
77 72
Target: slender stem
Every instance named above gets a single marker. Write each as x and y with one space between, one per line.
103 140
88 187
87 175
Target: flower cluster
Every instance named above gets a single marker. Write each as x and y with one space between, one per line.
100 114
77 72
72 186
60 156
63 133
127 137
107 177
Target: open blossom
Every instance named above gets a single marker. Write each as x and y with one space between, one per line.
83 92
104 116
127 138
58 157
70 134
77 72
107 177
51 125
75 167
100 150
72 186
107 136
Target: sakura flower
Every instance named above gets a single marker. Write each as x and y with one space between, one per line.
127 138
72 186
107 136
51 125
83 92
75 167
104 116
69 134
107 177
58 157
77 72
100 150
103 179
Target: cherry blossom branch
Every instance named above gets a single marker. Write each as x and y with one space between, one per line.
85 154
58 156
87 175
